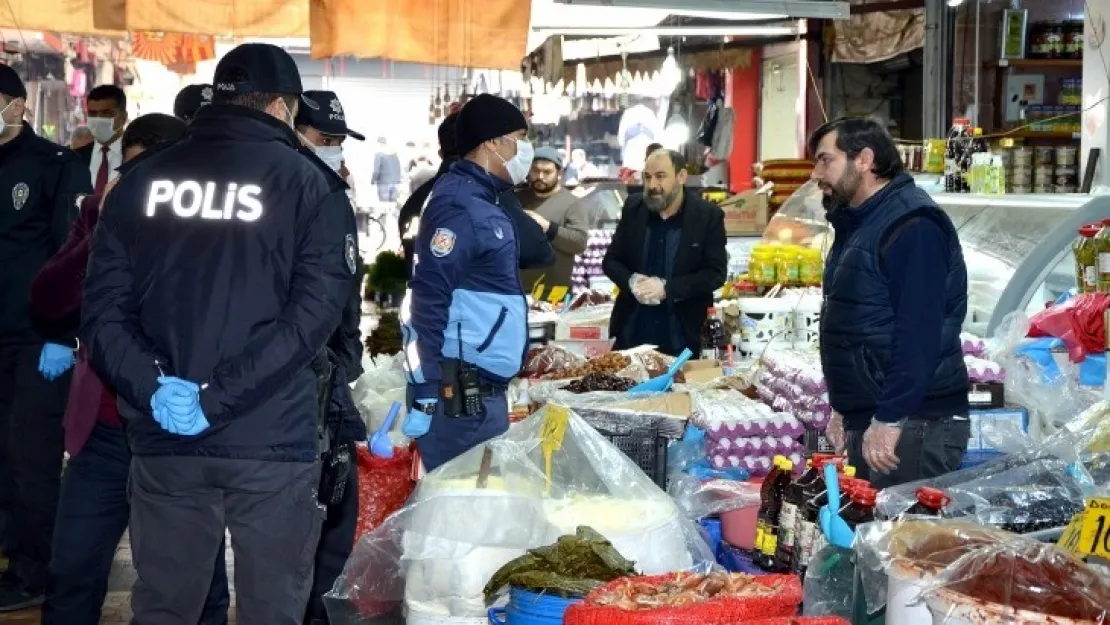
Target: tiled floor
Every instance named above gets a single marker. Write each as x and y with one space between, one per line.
117 606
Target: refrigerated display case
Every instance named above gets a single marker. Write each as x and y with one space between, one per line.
1017 249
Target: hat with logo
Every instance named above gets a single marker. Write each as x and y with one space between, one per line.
327 116
257 68
190 99
11 84
486 117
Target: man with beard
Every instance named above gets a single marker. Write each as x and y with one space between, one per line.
895 298
667 257
561 216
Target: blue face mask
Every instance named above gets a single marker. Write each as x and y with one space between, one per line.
331 154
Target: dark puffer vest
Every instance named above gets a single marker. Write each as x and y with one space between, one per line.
857 318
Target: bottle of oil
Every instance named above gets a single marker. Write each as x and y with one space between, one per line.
771 529
930 502
861 509
788 517
814 496
761 526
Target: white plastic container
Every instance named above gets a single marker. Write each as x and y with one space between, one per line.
763 320
426 618
904 586
952 608
807 322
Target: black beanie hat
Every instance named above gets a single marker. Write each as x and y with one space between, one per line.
486 117
447 142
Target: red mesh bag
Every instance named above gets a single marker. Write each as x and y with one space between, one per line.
384 484
801 620
718 611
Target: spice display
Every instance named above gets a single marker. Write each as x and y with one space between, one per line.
572 567
386 337
1033 577
549 359
383 486
606 363
684 590
599 382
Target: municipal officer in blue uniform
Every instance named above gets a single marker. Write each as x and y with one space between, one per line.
218 272
464 316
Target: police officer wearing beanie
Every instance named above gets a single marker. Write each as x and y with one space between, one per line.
218 271
40 182
465 315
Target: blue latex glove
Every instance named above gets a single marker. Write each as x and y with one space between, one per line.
417 421
176 407
55 360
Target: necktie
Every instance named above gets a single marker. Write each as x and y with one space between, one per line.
102 173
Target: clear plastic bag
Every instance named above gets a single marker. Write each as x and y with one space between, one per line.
1018 581
549 359
699 498
827 588
801 220
472 515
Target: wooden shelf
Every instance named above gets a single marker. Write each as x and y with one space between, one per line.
1035 134
1036 63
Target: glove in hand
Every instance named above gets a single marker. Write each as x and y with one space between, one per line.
417 421
651 291
55 360
176 407
879 442
834 432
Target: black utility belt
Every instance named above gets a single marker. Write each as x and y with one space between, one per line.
462 390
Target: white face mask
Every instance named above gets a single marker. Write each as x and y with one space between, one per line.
4 124
102 128
518 166
331 154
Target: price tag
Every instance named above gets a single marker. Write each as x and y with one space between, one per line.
557 294
1094 534
1069 540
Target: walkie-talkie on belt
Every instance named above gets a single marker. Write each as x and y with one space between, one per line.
469 383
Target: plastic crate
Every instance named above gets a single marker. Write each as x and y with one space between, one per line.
646 447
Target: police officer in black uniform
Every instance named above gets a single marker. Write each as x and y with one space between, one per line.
324 126
218 272
190 99
39 187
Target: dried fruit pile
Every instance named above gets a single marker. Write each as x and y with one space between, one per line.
599 382
683 591
606 363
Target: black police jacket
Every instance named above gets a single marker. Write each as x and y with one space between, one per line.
40 184
224 259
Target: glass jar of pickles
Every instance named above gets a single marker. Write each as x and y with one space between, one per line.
1086 259
761 266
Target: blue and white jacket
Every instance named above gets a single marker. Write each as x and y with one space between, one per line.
466 280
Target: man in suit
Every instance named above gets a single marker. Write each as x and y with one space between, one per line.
667 257
106 106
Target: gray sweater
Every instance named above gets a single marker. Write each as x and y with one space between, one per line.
568 231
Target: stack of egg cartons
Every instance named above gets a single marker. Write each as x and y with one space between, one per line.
792 382
745 433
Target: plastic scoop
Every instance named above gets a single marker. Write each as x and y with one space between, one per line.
836 529
380 444
660 384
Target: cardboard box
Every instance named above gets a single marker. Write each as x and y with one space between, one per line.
586 349
746 213
588 331
985 395
702 371
674 404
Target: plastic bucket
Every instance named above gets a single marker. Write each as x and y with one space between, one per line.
953 608
765 319
530 608
738 527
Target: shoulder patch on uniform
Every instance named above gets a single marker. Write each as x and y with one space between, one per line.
443 241
350 251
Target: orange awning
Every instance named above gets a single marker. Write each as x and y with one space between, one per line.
490 34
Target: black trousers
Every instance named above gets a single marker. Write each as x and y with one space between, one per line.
31 448
337 539
926 449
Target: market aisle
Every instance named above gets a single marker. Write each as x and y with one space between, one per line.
117 606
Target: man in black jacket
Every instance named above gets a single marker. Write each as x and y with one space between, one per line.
667 257
243 247
39 186
535 250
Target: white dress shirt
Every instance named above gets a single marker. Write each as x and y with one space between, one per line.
115 159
